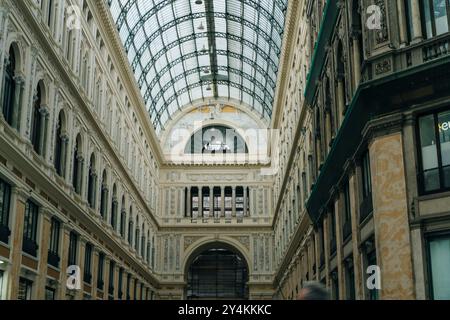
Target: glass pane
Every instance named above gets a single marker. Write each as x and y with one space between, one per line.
429 153
440 265
440 16
444 137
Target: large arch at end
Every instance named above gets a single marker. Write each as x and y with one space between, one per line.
216 270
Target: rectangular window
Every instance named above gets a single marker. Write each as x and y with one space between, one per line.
350 280
25 287
366 206
239 201
128 286
228 201
30 228
205 201
101 261
332 231
112 267
434 136
436 17
120 283
1 286
217 203
73 243
49 293
5 198
439 266
53 251
347 223
194 202
88 263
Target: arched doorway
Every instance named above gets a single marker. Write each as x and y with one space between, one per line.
217 272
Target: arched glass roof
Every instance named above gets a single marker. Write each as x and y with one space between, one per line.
185 50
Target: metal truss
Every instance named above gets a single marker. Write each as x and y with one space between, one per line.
252 55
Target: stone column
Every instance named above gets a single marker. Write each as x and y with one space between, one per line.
222 201
106 278
200 202
116 282
356 60
328 134
80 173
64 260
19 198
188 202
211 203
132 288
81 261
340 270
390 214
356 237
244 212
64 147
43 113
95 260
20 83
341 100
43 253
402 26
233 201
416 21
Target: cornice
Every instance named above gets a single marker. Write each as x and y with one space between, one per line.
292 19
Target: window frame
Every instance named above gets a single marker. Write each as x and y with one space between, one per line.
420 171
30 235
428 238
5 211
54 243
433 19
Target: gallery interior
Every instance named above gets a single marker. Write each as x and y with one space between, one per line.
224 149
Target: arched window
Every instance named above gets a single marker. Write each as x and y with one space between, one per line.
38 122
123 217
114 205
60 145
216 138
77 165
104 195
92 182
9 89
341 85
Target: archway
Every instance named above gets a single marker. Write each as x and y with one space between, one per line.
216 271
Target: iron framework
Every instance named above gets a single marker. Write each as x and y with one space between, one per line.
185 50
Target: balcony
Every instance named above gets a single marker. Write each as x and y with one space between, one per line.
436 49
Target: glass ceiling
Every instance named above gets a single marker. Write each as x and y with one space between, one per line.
185 50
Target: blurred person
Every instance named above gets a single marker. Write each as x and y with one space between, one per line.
313 291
